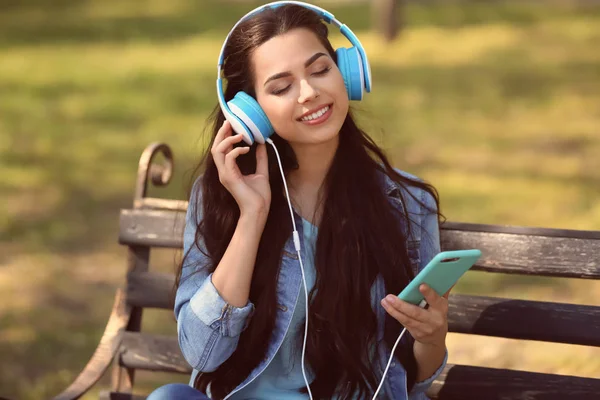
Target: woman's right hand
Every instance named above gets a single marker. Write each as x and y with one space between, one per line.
251 192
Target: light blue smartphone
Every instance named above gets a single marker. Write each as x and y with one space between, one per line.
443 271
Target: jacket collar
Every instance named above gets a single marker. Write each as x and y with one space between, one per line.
390 187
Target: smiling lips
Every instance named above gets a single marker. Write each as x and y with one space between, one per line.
318 116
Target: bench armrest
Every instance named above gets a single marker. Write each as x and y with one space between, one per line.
105 352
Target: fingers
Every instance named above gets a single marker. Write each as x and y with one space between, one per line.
223 132
430 295
262 161
394 305
425 326
447 294
433 299
224 154
406 320
227 143
230 163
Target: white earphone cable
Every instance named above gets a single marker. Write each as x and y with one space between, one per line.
297 247
388 364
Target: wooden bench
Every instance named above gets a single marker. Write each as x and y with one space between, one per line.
158 223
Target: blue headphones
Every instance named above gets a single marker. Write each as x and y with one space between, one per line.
245 114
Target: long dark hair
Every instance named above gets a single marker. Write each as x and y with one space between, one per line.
360 237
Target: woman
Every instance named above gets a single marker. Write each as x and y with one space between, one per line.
365 230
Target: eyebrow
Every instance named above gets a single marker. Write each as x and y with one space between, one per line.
285 74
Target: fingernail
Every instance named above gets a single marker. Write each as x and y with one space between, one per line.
423 288
389 298
384 302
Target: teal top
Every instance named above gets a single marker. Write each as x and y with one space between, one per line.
283 379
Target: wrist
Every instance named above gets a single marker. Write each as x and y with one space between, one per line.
437 347
429 357
253 220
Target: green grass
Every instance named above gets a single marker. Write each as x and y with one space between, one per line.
496 103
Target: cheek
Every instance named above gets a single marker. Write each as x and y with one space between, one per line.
278 110
343 102
341 93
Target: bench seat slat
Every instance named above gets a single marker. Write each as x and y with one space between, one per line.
458 382
152 353
120 396
528 251
161 353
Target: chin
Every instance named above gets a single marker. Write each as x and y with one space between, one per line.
323 137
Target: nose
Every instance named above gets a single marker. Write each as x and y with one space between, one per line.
307 92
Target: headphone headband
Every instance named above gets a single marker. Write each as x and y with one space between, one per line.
327 17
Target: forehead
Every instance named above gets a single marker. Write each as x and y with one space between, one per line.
285 52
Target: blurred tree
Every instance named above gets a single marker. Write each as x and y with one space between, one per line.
387 17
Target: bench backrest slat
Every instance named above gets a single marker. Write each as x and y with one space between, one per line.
516 319
152 228
151 289
524 319
528 251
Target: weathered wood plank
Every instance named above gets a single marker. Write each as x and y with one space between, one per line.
151 228
458 382
521 319
151 289
105 395
499 317
152 352
153 203
520 230
161 353
105 352
530 255
519 250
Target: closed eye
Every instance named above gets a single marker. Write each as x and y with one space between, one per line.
281 91
285 89
323 71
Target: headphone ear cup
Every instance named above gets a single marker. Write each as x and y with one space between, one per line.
247 109
350 65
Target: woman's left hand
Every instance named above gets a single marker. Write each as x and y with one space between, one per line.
427 326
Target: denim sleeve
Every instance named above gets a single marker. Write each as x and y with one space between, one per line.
208 328
419 388
430 246
430 230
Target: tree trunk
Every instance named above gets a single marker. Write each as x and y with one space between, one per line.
385 17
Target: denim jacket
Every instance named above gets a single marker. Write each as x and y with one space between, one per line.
209 329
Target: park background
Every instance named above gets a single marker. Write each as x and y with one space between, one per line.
497 103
